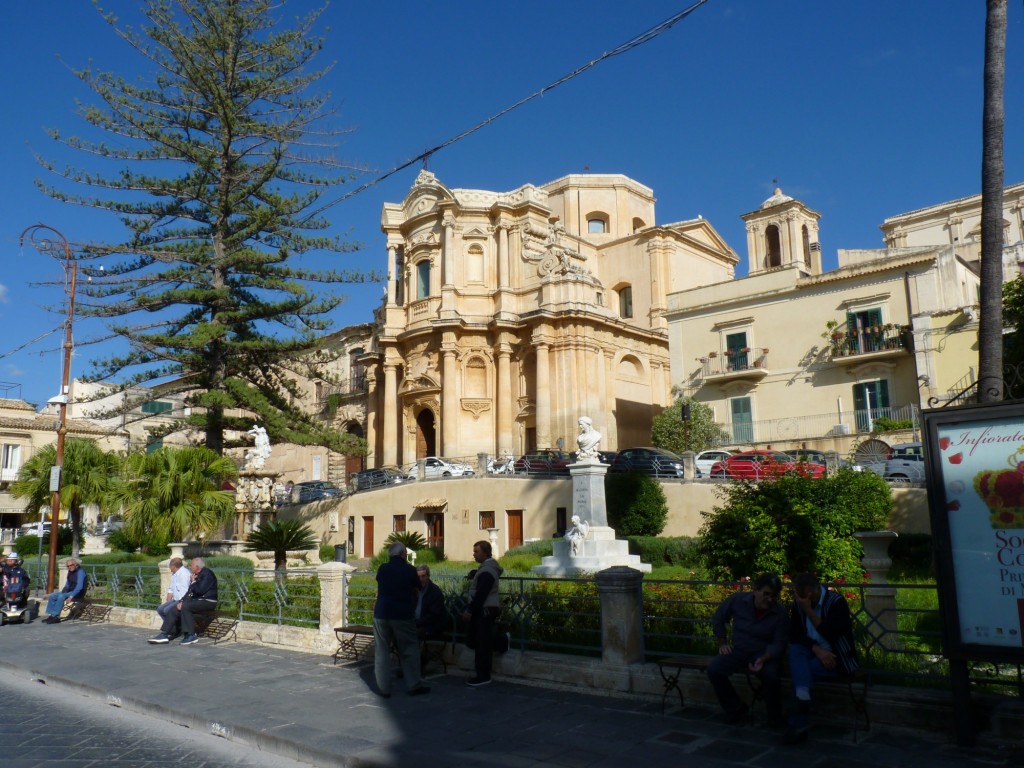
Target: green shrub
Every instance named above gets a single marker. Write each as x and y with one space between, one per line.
326 553
539 548
883 424
411 539
121 541
669 550
117 558
150 543
379 559
636 505
794 523
228 563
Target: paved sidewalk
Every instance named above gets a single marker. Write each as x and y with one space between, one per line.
301 706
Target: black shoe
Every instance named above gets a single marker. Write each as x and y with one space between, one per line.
419 690
189 639
738 717
160 639
477 682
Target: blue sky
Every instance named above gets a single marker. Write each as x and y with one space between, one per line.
861 109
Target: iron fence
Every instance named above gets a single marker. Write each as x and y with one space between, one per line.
252 595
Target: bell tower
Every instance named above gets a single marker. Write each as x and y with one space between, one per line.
782 232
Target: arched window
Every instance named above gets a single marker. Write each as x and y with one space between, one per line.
423 279
356 371
475 264
626 301
773 247
807 246
597 223
638 224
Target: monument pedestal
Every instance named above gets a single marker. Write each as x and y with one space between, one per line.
599 549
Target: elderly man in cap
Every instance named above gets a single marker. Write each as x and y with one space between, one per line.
74 589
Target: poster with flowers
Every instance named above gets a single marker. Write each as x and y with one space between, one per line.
978 479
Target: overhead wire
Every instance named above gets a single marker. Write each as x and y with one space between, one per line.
643 37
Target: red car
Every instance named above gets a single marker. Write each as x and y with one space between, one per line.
754 465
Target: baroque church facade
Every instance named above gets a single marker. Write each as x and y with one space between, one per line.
509 315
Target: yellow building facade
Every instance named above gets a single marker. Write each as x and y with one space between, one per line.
508 315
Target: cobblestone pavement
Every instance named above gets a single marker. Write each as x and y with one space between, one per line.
46 727
302 707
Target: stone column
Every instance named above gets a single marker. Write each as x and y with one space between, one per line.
503 256
492 537
880 599
449 405
689 468
543 398
333 595
391 275
390 437
165 577
372 414
622 615
503 394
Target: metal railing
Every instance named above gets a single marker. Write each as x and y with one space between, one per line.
251 595
734 360
820 425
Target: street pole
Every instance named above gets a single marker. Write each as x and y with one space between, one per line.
44 245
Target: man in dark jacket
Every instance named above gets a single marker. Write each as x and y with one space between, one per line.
74 589
482 612
15 580
394 625
200 598
821 633
758 642
431 614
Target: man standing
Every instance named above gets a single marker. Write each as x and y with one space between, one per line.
74 589
200 598
181 580
758 641
482 611
822 633
394 624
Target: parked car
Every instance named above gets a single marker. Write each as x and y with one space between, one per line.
755 465
905 463
436 467
544 462
110 525
314 490
824 458
656 462
704 460
372 478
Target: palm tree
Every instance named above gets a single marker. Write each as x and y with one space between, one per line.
174 492
85 479
990 331
279 537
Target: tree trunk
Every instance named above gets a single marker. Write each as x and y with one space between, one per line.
990 333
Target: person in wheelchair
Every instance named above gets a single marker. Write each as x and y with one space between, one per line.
15 582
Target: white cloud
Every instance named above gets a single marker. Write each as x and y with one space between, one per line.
13 371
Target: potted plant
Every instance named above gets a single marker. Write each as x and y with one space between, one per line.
712 355
745 350
757 363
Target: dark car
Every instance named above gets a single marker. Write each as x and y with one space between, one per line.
655 462
544 462
314 490
372 478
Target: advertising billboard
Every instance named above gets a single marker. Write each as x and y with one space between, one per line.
975 460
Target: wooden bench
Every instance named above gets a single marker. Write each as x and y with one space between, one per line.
87 611
216 625
855 686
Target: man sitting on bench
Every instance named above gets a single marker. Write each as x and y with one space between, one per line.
758 642
201 598
74 589
822 648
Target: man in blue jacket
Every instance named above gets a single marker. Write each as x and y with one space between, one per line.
394 622
200 598
74 589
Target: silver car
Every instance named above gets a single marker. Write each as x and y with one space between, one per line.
905 463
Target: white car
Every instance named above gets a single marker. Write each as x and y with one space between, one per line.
435 467
905 463
704 460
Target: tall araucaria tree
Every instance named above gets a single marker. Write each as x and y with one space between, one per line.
220 171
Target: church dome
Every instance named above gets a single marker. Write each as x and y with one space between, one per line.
777 199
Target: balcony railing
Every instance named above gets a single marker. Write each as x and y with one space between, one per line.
746 359
814 426
871 340
334 394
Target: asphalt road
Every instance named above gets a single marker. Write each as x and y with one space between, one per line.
43 727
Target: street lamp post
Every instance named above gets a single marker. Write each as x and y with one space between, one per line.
38 236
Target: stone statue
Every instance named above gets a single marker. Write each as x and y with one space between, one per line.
576 534
257 456
587 440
